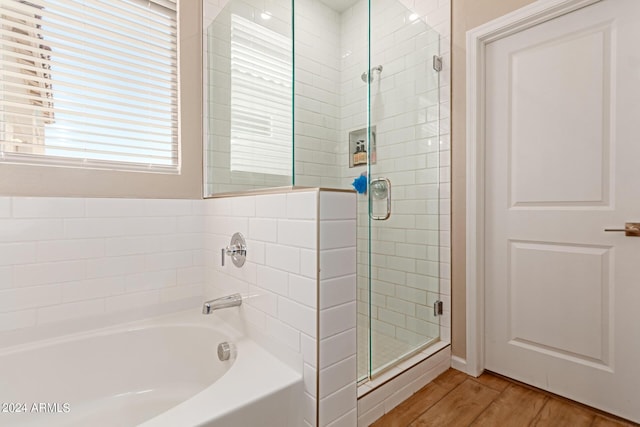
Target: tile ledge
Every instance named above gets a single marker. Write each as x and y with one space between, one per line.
277 190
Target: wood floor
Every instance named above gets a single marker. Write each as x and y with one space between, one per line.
455 399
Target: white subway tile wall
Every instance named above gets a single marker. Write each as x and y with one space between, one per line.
317 94
73 260
65 259
331 101
409 108
409 103
337 329
281 279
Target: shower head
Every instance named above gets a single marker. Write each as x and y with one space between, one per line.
368 76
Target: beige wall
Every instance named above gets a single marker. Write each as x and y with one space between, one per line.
466 14
21 180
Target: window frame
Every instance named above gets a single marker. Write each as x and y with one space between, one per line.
61 181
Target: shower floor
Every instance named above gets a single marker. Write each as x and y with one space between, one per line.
385 350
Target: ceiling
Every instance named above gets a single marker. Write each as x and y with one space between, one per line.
339 5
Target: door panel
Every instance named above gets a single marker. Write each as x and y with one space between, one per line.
557 117
561 122
545 279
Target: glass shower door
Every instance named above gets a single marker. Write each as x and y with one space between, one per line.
403 197
366 112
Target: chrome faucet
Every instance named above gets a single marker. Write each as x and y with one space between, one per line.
233 300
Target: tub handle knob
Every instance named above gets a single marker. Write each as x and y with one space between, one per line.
237 250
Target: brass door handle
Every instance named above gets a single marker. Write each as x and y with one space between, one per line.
631 229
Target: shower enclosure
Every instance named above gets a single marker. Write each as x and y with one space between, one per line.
325 93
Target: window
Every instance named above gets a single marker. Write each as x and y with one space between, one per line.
89 83
261 137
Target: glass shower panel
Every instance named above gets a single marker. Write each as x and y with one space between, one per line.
331 55
249 81
403 195
351 137
330 99
366 106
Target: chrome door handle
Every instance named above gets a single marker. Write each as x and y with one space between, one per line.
381 186
631 229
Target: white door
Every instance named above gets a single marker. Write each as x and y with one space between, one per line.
562 132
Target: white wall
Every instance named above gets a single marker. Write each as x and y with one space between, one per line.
66 260
467 14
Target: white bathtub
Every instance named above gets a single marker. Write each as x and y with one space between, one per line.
160 372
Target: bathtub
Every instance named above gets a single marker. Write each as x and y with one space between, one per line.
154 373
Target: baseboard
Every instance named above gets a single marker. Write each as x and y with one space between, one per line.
459 364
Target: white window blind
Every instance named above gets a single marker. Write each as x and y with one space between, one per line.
89 83
261 99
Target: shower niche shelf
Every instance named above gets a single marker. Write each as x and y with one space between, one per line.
358 141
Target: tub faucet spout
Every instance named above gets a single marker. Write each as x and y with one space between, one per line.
233 300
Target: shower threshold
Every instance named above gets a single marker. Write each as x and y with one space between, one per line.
398 366
391 372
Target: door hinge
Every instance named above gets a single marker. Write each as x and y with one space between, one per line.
437 63
438 308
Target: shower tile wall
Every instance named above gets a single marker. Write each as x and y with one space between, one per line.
296 242
337 306
72 264
317 99
317 95
331 101
68 262
405 99
279 276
